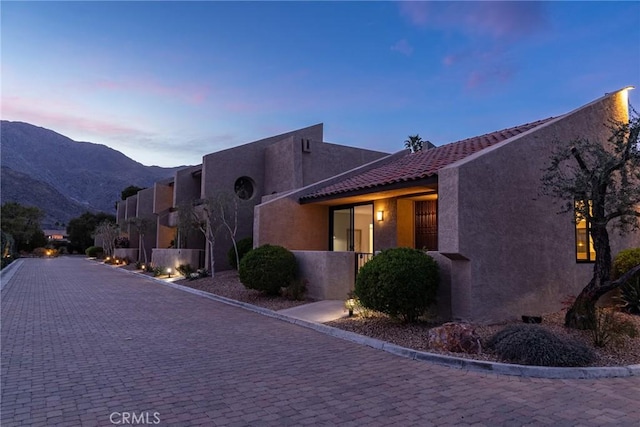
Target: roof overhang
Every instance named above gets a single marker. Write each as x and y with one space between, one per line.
406 189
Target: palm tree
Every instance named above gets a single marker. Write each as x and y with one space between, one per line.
414 143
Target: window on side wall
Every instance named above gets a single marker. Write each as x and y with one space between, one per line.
584 242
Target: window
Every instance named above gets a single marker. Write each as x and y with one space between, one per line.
584 242
352 229
244 187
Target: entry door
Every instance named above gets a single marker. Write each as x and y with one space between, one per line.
426 225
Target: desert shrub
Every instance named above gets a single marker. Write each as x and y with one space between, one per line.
159 270
94 251
630 291
244 246
39 252
527 344
121 242
400 282
609 328
185 269
268 268
296 290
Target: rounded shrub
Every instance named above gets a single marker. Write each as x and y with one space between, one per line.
244 246
534 345
629 297
624 261
268 268
94 251
400 282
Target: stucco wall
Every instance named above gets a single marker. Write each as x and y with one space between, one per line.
187 185
286 223
521 253
131 211
162 198
330 275
174 257
130 253
385 233
326 160
221 170
162 202
283 166
145 211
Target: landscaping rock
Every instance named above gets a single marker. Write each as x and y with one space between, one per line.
454 337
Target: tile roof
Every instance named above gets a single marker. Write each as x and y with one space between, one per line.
423 164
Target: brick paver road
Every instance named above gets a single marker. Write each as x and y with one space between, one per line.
86 344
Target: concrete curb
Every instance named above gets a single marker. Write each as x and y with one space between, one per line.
438 359
7 273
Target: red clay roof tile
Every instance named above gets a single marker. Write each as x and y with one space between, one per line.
422 164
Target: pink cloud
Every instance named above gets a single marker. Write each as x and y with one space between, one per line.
478 79
403 47
191 94
416 12
497 19
60 115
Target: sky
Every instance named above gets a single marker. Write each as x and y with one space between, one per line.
168 82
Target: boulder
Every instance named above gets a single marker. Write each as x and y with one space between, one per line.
455 337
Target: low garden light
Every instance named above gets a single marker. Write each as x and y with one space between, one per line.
169 271
350 304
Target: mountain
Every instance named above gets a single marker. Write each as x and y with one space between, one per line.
63 177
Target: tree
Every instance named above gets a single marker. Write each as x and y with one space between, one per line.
82 229
131 190
414 143
107 232
22 223
600 182
210 216
142 226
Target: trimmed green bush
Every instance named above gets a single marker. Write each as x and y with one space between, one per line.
94 251
624 261
400 282
527 344
244 246
268 268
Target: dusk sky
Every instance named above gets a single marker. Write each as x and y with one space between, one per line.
167 82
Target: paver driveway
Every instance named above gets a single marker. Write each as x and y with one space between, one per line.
86 344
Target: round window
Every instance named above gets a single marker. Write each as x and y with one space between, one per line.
244 187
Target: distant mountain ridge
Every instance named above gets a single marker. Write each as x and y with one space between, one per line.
63 177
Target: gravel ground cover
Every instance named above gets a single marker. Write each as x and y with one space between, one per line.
376 325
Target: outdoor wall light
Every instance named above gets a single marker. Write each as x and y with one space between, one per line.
380 215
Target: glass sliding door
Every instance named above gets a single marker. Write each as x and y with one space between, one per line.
352 228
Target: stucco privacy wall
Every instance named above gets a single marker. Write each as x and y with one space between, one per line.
329 275
521 254
172 258
294 226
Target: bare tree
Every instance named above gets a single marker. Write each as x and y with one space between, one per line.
600 182
107 231
141 225
211 216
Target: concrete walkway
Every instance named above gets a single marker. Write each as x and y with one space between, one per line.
88 345
320 312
